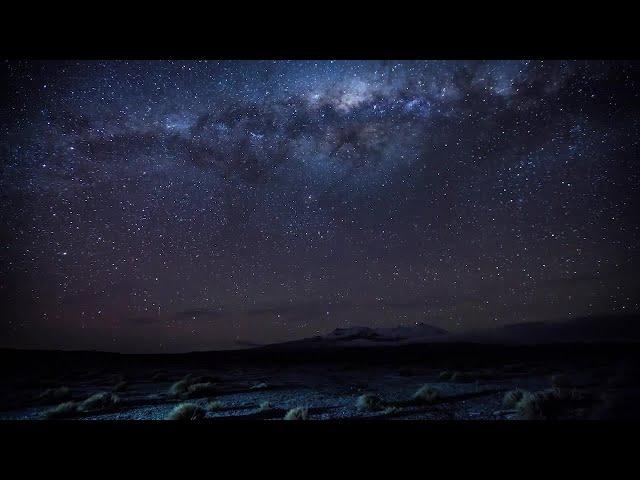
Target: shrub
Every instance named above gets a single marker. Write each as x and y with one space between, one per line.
260 386
201 390
99 401
298 413
56 394
369 402
390 410
426 394
538 406
64 410
512 397
445 376
180 387
265 406
214 405
186 412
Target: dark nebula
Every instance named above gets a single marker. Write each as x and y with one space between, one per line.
172 206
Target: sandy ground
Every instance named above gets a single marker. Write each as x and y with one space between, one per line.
328 392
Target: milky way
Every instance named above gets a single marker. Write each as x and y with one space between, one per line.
172 206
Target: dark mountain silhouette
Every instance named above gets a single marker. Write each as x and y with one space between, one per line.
576 330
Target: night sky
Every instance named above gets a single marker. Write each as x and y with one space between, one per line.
171 206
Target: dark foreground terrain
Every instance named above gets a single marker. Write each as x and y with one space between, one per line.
439 381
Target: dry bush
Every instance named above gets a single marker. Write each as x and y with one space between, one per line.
260 386
180 387
201 390
391 410
193 387
214 405
369 402
64 410
186 412
512 397
55 394
539 406
298 413
99 401
426 394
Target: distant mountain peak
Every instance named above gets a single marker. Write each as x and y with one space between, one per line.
401 332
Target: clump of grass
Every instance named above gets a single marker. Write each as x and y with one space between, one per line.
121 386
215 405
265 406
186 412
512 397
369 402
560 380
180 387
200 390
55 394
298 413
64 410
260 386
445 376
390 410
99 401
538 406
426 394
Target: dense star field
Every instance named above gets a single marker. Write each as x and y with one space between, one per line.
165 206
